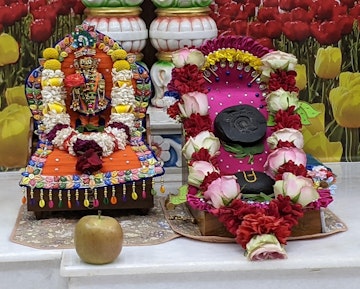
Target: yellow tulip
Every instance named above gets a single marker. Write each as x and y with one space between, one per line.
9 49
317 124
328 62
345 101
16 94
321 148
14 135
301 78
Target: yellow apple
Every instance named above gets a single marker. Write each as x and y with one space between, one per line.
98 239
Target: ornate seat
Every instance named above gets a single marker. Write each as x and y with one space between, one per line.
88 98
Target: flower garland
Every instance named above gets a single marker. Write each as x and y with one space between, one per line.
263 226
56 126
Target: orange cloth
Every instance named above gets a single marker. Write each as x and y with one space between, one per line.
61 163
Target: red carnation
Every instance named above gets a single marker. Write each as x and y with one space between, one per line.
204 155
196 123
287 119
283 79
208 180
259 224
291 167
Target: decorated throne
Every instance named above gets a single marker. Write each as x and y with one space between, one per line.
88 98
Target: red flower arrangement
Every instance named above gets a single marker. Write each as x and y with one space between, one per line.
261 225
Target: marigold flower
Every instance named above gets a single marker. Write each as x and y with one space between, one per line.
121 65
118 54
50 53
53 64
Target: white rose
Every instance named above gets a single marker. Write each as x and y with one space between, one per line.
281 100
286 134
277 60
206 140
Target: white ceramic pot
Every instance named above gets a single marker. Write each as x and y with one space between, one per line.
175 28
121 24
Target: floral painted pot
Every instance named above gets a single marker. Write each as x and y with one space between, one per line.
181 3
111 3
175 28
121 24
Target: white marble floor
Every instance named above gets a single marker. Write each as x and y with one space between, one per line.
328 262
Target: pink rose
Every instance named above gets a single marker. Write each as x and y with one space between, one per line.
185 56
281 156
222 191
264 247
300 189
198 171
286 134
194 102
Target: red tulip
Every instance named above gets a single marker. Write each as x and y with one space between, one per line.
267 42
79 8
325 10
223 22
267 13
18 10
355 11
271 3
7 17
256 29
273 29
296 30
301 14
239 27
345 23
222 2
250 9
348 3
289 5
40 30
46 12
326 33
255 2
230 9
36 4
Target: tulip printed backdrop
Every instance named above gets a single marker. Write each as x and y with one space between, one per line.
26 28
322 34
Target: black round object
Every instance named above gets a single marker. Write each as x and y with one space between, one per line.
253 182
242 124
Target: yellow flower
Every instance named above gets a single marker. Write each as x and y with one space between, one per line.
301 77
121 65
14 135
123 108
16 94
53 64
328 62
345 101
321 148
9 49
118 54
50 53
54 107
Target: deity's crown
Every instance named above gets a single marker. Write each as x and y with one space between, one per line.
85 51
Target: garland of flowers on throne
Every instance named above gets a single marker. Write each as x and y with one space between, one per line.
87 88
